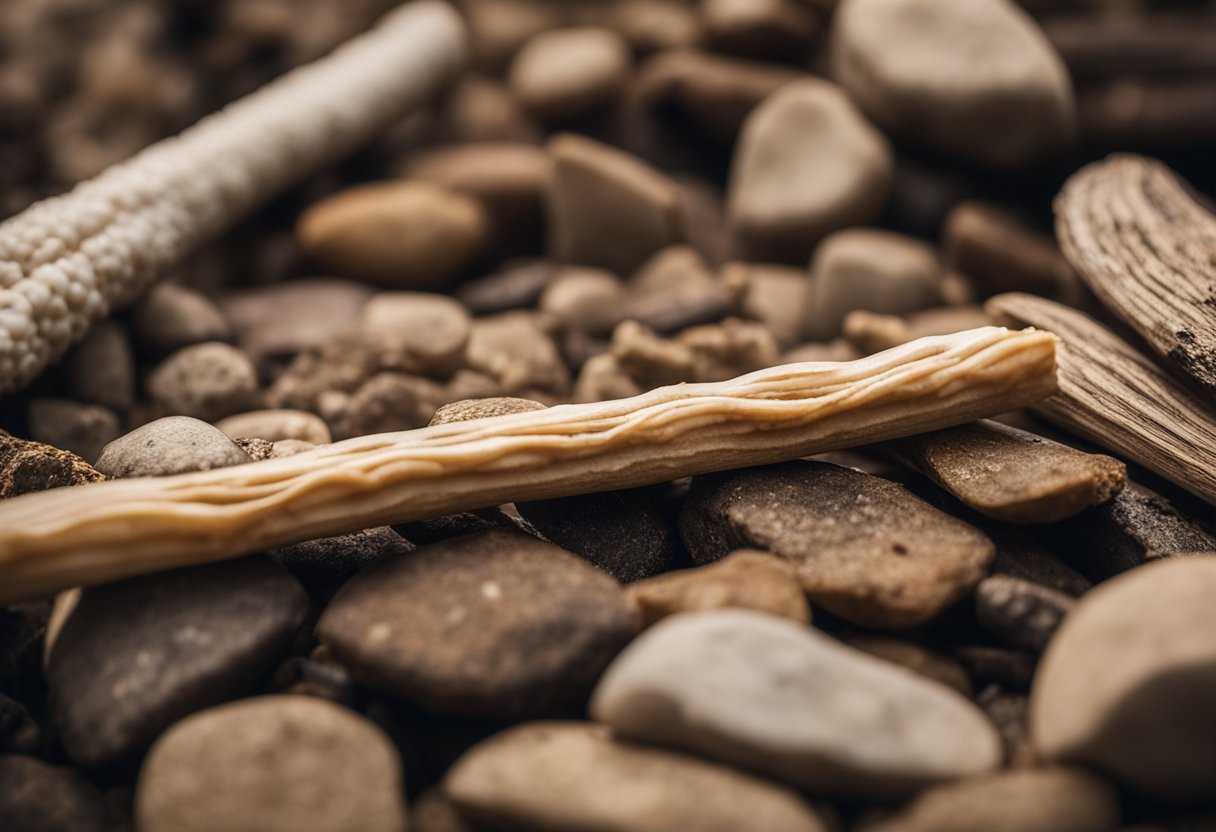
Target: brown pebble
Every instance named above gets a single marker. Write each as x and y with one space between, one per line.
675 289
279 321
101 369
170 317
83 429
585 300
26 467
929 663
603 379
430 332
1012 475
872 332
277 426
387 402
513 349
1020 613
864 548
563 74
206 381
745 579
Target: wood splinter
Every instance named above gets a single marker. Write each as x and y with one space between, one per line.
101 532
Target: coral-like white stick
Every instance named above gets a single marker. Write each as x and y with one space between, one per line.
67 261
93 533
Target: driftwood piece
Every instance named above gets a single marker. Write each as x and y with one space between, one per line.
67 261
1116 397
96 533
1147 249
1010 474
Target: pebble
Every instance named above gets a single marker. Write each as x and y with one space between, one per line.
38 797
384 403
170 317
651 361
1138 526
974 78
1043 800
463 411
513 349
765 29
398 234
565 74
272 764
495 624
481 109
433 811
607 208
835 350
675 289
872 332
866 268
82 429
507 178
1019 613
455 525
602 379
324 564
777 296
998 254
772 695
585 300
101 369
745 579
807 163
173 445
575 777
865 549
518 285
277 322
138 654
1126 684
431 331
327 373
915 657
23 631
26 467
256 449
655 25
290 447
617 531
728 349
19 734
276 426
1011 669
206 381
1010 712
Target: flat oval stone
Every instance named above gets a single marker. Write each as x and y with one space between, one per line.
864 548
139 654
493 624
807 163
403 234
1127 683
272 764
566 73
975 78
742 580
173 445
771 695
1043 800
575 777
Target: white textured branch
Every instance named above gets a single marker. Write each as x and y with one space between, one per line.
94 533
67 261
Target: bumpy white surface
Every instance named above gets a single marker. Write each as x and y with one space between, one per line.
67 261
94 533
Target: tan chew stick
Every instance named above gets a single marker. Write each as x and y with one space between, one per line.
67 261
1118 398
1147 249
94 533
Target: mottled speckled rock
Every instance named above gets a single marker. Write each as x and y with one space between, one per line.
27 466
272 764
493 624
575 777
324 564
206 381
769 694
463 411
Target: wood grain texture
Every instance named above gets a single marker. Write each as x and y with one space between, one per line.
90 534
1116 397
1147 249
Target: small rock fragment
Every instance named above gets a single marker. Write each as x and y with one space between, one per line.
83 429
585 300
649 360
1013 475
279 321
26 467
324 564
729 349
563 74
513 349
575 777
864 548
517 286
272 764
136 655
1126 684
743 580
402 235
607 208
769 694
206 381
387 402
603 379
1045 800
173 445
256 449
429 331
976 78
494 624
276 426
777 296
1021 614
865 268
807 164
997 254
171 317
674 290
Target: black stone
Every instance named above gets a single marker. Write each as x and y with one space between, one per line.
36 797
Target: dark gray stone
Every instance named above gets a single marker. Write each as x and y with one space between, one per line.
324 564
36 797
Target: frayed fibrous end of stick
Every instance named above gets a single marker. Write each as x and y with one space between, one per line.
67 261
95 533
